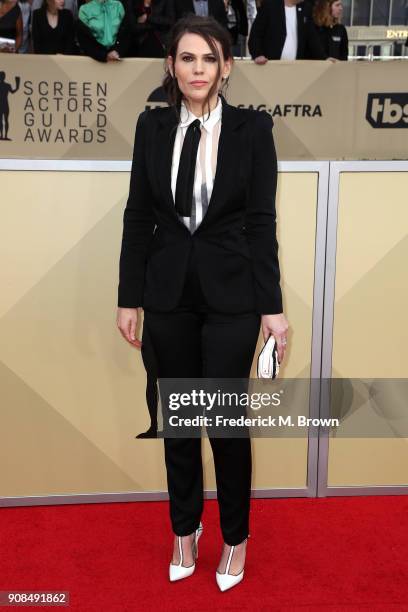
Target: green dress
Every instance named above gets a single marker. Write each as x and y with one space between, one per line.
103 18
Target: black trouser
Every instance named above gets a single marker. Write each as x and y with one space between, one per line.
192 342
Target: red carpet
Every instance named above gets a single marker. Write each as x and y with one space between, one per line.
348 553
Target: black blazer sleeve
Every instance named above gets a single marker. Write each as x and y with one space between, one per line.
257 33
239 8
92 48
261 218
314 48
218 12
88 43
161 19
36 31
138 226
344 45
68 42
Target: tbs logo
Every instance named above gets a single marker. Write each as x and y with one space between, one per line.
387 110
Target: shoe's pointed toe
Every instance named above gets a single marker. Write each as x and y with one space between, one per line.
177 572
227 581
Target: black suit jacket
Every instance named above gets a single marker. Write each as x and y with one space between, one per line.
242 20
160 20
268 32
235 245
216 9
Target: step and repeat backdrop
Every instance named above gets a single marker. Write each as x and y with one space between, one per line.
76 108
370 337
73 391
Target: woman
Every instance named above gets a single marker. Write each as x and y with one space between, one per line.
11 25
333 35
204 173
100 30
150 22
53 29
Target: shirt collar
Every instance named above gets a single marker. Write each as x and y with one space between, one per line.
206 122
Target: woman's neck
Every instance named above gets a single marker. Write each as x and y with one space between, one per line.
196 107
52 11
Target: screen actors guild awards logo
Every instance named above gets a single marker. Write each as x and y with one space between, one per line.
5 90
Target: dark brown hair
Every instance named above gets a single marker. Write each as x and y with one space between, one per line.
322 13
209 29
44 5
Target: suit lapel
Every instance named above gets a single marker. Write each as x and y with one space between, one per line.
228 149
165 143
281 21
300 29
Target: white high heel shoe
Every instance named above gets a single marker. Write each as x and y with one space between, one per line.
226 581
178 571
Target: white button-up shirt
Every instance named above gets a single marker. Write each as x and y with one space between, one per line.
206 162
289 51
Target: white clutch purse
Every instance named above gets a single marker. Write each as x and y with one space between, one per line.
268 363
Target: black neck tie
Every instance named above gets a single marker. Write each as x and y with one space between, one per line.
186 171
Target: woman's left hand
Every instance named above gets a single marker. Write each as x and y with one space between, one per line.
277 325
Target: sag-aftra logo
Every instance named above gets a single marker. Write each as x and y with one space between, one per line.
387 110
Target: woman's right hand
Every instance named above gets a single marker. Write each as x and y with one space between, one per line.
261 59
126 321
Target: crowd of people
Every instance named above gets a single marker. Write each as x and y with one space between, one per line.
109 30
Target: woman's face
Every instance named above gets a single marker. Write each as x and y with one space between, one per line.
337 9
57 5
195 67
